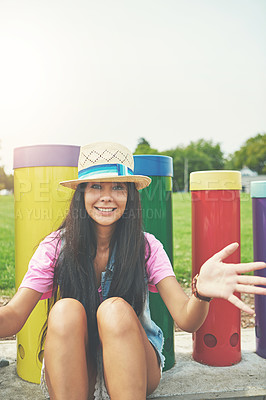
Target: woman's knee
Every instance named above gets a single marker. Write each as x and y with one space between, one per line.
67 315
116 316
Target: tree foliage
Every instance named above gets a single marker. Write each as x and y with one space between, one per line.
6 181
252 155
205 154
144 147
178 155
197 156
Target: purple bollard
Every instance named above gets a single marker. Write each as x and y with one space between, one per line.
258 194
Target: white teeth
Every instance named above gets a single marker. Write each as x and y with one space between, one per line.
105 209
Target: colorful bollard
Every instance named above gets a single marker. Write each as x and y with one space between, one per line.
40 206
216 223
156 202
258 195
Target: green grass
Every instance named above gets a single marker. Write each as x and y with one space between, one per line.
246 228
181 239
7 250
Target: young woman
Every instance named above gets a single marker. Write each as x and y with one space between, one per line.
99 339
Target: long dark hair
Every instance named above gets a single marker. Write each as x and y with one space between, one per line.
75 276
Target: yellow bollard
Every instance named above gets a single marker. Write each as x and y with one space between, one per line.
40 206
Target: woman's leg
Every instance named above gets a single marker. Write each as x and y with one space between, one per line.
69 374
130 363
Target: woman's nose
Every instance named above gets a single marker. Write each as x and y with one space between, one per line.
106 195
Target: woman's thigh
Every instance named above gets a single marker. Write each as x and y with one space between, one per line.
115 314
66 348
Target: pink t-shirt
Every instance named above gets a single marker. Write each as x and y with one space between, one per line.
41 266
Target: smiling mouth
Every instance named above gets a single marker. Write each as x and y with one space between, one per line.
105 209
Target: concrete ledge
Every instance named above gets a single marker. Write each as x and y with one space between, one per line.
11 386
191 380
187 380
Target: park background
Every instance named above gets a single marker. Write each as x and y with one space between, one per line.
202 155
173 77
169 71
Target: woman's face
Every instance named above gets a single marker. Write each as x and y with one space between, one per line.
105 202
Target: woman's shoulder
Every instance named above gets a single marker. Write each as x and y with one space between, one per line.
52 236
51 241
158 265
152 240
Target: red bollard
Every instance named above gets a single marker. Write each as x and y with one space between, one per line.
215 224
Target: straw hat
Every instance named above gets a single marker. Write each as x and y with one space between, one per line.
106 162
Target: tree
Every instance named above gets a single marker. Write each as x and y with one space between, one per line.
10 182
144 147
252 155
210 154
2 178
178 155
6 181
201 155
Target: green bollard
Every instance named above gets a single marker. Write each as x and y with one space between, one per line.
156 202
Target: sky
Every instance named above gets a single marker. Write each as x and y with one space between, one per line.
171 71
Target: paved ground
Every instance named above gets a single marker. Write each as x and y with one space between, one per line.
187 380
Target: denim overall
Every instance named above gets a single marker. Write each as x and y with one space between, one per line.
153 332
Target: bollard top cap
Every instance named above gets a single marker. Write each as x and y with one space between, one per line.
153 165
258 189
46 155
215 180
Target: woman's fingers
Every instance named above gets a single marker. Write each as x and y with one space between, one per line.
222 279
225 252
239 304
251 280
250 289
240 268
248 267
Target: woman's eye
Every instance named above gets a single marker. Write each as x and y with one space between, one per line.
96 186
119 187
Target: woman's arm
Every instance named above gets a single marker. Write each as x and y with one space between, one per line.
14 315
188 313
216 279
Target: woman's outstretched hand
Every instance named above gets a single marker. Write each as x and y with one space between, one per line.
218 279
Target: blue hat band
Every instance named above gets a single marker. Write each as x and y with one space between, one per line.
104 170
